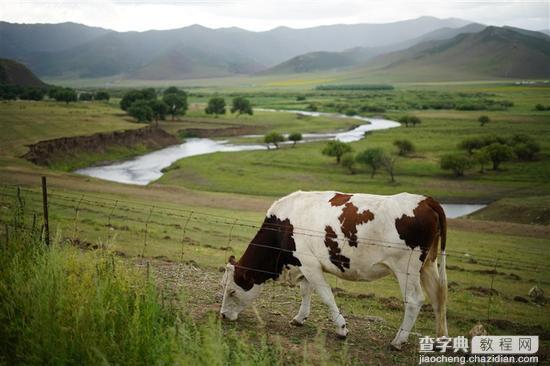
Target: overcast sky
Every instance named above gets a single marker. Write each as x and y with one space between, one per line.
139 15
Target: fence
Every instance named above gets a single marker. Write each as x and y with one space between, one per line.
139 229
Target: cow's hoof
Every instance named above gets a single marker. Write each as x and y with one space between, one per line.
296 323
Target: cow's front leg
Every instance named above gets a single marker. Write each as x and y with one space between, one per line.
316 280
303 313
413 297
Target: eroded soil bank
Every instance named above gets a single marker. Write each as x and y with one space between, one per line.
68 153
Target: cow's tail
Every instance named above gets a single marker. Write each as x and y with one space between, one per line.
441 270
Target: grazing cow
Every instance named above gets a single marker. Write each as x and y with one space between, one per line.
357 237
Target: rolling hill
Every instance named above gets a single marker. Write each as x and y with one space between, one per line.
496 52
319 61
14 73
189 52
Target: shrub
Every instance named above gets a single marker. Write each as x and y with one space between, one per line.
413 120
499 153
311 107
295 137
405 147
483 120
372 158
216 106
273 138
526 150
85 96
241 105
458 163
141 110
301 98
336 149
102 95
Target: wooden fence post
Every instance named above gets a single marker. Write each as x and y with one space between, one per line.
45 206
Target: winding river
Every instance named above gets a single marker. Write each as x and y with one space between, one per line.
148 168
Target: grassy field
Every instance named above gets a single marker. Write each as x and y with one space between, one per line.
185 250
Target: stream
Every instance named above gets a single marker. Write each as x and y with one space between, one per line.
147 168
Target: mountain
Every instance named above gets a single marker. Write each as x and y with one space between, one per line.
319 61
14 73
501 52
76 51
18 41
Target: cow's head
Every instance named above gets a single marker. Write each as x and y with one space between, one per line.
235 298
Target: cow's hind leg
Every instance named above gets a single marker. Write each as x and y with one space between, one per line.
314 275
430 282
413 297
303 313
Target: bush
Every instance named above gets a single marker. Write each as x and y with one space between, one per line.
30 93
141 110
336 149
301 98
483 120
273 138
66 95
85 96
526 150
458 163
241 105
311 107
405 147
130 97
216 106
499 153
413 120
295 137
372 158
102 95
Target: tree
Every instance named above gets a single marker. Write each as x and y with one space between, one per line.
130 97
348 162
457 162
216 106
372 158
141 111
66 95
526 150
241 105
388 162
171 90
273 138
102 95
405 147
177 103
295 137
483 120
499 153
312 107
159 109
482 157
336 148
85 96
30 93
413 120
300 98
471 144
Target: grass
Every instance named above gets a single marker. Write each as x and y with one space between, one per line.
184 258
60 305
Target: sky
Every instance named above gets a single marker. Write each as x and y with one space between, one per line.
259 15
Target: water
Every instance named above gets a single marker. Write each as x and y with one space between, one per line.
453 211
148 168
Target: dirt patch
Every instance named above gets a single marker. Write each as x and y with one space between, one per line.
48 152
482 291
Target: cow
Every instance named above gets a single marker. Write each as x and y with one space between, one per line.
356 237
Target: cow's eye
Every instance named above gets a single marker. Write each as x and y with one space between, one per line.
232 293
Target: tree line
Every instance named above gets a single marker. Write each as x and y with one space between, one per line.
58 93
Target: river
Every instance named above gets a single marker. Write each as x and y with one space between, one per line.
147 168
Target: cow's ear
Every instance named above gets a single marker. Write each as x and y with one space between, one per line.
232 260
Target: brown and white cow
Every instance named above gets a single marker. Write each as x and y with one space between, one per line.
357 237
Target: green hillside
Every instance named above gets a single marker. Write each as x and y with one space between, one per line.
492 53
14 73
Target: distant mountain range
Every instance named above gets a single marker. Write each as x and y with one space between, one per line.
14 73
75 51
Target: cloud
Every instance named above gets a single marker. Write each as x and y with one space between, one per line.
124 15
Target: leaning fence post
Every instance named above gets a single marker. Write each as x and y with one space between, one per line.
45 207
146 231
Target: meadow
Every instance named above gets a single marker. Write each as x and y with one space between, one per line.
182 228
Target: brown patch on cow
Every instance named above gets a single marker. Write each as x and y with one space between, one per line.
350 219
267 254
331 243
424 228
339 199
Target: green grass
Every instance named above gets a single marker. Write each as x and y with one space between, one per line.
63 306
